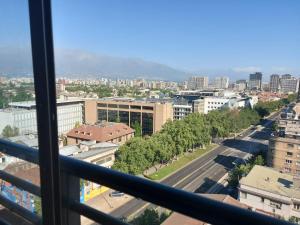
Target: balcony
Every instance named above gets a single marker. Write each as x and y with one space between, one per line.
60 175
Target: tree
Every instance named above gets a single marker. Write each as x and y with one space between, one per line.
138 129
37 205
149 217
9 131
77 124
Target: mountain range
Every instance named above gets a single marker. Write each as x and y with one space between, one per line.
76 64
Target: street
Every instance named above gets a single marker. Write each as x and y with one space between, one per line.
203 173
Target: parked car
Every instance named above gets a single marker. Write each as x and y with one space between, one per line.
116 194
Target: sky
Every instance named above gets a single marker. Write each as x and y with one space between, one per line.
194 35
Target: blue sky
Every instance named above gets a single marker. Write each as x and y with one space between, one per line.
193 35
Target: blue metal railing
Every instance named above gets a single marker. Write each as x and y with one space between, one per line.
190 204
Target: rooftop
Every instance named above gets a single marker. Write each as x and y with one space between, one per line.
270 180
32 104
101 133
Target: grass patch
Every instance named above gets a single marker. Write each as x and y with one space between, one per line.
181 162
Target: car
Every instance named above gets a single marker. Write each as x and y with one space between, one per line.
116 194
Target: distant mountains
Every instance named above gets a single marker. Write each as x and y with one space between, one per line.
76 63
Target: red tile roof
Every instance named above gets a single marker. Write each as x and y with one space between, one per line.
101 133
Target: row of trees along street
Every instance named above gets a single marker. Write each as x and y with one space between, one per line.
194 131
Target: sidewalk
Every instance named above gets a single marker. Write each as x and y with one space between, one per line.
105 203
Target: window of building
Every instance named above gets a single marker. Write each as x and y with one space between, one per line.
287 170
112 106
262 199
124 106
290 145
102 105
288 161
297 206
289 154
135 107
148 107
275 205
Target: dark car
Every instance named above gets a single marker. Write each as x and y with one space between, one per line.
116 194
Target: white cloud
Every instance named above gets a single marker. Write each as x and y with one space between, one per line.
247 69
280 69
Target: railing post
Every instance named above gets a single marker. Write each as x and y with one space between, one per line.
45 90
70 193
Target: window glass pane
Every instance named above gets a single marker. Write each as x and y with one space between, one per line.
18 120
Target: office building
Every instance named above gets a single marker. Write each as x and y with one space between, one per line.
274 83
149 114
117 133
268 191
289 84
23 115
198 83
255 81
220 82
181 110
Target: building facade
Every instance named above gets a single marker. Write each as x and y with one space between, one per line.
289 84
181 111
284 146
255 81
150 114
23 116
274 83
196 83
220 82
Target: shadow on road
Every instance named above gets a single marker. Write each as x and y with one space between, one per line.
226 161
261 135
244 145
208 183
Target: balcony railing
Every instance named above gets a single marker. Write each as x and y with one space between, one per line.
60 176
72 170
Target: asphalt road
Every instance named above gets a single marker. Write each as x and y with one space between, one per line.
204 172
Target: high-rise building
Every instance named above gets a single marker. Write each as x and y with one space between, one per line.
289 84
221 82
274 82
198 83
255 81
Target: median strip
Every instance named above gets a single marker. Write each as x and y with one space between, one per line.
181 162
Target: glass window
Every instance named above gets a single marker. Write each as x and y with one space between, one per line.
147 107
102 105
147 123
135 107
102 115
124 106
124 117
112 115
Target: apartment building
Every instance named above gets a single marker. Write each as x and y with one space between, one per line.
289 84
274 83
255 81
150 114
270 192
220 82
196 82
284 146
23 115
